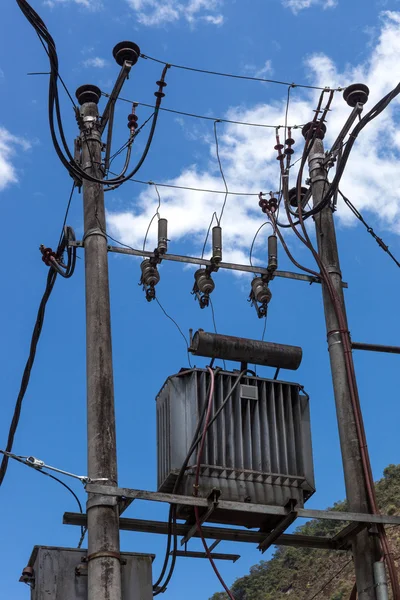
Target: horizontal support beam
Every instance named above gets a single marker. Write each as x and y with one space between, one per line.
207 263
224 534
214 556
241 506
375 348
344 537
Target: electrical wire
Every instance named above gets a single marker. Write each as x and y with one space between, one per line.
215 324
254 240
71 491
54 111
221 171
178 328
197 481
193 189
245 77
208 233
331 579
349 364
156 214
206 118
359 216
51 279
66 213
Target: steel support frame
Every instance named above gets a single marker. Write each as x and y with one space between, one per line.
208 263
304 513
341 541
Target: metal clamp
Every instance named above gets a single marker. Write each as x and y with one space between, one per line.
95 231
105 554
101 500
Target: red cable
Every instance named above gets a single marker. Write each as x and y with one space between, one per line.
196 486
350 376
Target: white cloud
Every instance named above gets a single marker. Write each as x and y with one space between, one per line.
297 5
371 180
92 5
9 145
266 69
95 61
161 12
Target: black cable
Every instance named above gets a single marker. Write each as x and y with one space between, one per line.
359 216
248 78
178 328
66 213
196 116
71 491
67 159
222 173
51 279
370 116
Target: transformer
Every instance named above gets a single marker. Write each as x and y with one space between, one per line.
258 450
61 574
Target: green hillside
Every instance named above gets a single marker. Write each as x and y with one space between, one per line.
299 573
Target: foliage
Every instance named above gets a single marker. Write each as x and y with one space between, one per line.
299 573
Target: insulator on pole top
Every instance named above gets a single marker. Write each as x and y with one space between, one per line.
162 236
217 244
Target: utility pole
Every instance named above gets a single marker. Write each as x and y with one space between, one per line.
104 568
364 545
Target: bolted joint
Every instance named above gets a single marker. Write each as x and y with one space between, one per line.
88 93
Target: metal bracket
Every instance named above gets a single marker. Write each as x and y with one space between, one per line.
280 528
212 505
215 556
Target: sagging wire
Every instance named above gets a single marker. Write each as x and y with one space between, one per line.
359 216
23 461
156 214
178 328
222 173
255 238
206 118
214 216
245 77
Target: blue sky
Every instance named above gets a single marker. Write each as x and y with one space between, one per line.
315 42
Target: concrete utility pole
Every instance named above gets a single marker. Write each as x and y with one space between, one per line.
104 568
364 545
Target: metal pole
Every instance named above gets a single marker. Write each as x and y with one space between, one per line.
104 568
364 546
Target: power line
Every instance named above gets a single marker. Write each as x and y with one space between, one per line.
178 328
192 189
157 213
245 77
71 491
206 118
254 240
215 325
331 579
51 279
378 240
66 213
221 171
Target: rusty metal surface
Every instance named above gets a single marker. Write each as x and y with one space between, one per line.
214 345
